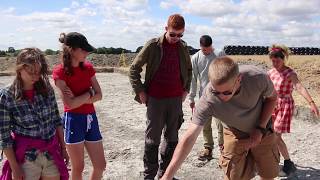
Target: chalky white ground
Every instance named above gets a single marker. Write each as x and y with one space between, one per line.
122 124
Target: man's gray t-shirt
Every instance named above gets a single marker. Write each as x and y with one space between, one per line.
243 110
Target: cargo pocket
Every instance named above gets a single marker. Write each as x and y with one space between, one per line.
237 166
225 164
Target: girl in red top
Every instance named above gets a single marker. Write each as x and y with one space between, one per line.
79 89
285 80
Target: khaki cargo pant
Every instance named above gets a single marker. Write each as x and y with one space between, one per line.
207 133
239 163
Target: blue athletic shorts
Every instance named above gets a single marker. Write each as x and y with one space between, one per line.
81 127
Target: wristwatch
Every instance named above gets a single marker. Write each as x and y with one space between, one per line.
262 130
91 92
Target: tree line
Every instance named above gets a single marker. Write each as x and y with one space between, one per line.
101 50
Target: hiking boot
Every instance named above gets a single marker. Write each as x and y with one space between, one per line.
205 154
287 169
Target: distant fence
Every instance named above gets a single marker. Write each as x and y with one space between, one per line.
263 50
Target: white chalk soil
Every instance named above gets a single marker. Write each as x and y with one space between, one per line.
122 124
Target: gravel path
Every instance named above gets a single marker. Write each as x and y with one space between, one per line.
122 123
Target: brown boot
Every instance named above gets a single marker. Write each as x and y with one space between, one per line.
205 154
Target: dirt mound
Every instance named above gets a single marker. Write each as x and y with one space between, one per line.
98 60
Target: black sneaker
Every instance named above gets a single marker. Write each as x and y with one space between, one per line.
288 169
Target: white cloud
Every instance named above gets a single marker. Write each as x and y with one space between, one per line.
75 4
165 4
85 12
129 23
257 22
9 10
209 8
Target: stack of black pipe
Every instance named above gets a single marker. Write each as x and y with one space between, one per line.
263 50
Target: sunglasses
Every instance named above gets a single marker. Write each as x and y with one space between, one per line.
172 34
226 93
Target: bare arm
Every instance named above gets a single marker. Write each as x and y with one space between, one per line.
97 91
71 101
182 150
303 92
268 107
269 104
17 171
59 131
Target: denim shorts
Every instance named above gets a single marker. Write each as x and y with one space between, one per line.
81 127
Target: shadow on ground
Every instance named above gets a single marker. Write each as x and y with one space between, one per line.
304 173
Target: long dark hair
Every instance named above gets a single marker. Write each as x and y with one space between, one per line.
31 57
66 56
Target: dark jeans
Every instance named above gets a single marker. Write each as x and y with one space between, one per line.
163 116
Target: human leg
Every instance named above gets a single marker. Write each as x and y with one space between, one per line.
171 127
96 154
206 153
235 160
155 122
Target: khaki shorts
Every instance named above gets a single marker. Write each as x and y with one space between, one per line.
241 164
41 167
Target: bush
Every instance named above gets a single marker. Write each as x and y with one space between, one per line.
3 53
139 49
49 52
111 50
11 50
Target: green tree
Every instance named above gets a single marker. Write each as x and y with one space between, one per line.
16 52
2 53
139 49
11 50
49 52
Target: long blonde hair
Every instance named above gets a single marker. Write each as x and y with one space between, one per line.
30 57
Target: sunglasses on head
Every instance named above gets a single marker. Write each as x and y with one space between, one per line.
172 34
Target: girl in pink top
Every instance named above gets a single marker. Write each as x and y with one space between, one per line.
285 80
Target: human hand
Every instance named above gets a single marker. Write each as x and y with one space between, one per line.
143 97
17 173
65 155
67 91
314 109
255 138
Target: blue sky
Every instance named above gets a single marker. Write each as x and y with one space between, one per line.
129 23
